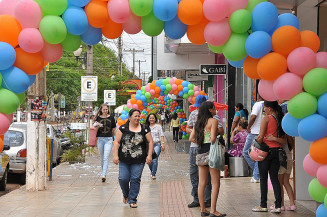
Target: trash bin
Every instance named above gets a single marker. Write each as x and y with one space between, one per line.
238 167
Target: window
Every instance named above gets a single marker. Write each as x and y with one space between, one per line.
13 138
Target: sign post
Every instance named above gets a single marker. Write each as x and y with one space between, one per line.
110 97
89 88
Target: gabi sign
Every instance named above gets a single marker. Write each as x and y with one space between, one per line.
213 69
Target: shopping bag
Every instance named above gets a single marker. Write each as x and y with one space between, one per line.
93 136
217 156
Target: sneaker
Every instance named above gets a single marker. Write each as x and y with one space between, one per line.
259 209
276 210
193 204
153 177
253 180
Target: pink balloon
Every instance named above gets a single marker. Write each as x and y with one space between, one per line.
135 106
196 88
147 88
190 99
171 81
174 87
321 60
287 86
196 93
30 40
28 13
5 121
301 60
152 92
8 7
215 10
129 105
119 10
217 33
310 166
322 175
51 52
266 90
235 5
132 25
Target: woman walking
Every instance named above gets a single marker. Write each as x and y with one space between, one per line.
175 122
105 125
130 153
158 141
270 126
205 133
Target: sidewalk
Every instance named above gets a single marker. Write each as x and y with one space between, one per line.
77 190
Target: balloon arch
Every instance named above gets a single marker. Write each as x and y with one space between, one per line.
249 33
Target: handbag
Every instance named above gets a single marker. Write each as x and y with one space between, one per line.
93 136
282 158
217 155
258 151
202 159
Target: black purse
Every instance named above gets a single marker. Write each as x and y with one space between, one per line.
282 157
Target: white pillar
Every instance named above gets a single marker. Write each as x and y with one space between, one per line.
42 173
31 164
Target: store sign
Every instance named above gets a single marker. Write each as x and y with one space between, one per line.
89 88
214 69
78 126
110 97
62 102
195 76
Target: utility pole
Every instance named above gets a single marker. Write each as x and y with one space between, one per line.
140 61
134 51
89 71
120 56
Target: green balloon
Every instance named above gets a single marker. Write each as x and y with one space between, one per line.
190 86
148 100
53 29
21 97
143 88
302 105
191 92
141 7
9 101
240 21
0 79
252 3
185 96
165 82
53 7
148 95
71 42
166 92
317 191
151 25
168 87
234 49
315 81
325 201
216 49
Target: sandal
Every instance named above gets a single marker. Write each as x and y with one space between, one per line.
133 205
272 207
259 209
125 200
291 208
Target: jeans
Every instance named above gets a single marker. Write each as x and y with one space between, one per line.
271 165
154 165
194 176
130 180
254 165
104 145
175 133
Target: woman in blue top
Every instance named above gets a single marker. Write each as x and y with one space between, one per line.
240 113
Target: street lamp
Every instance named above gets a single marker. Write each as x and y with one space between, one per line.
78 53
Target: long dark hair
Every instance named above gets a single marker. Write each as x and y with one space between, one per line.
240 107
147 122
278 109
175 116
99 113
203 117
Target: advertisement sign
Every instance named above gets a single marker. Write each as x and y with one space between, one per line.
62 102
110 97
38 108
195 76
213 69
89 88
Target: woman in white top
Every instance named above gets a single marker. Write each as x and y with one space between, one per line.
158 141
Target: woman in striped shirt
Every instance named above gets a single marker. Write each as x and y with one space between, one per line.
158 141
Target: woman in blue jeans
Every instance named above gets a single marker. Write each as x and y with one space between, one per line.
130 151
105 125
158 141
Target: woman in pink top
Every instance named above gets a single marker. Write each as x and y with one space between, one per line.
270 125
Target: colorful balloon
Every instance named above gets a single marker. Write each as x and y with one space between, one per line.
266 90
15 80
234 49
7 55
53 7
151 25
119 10
258 44
216 10
287 86
322 105
310 39
301 60
71 42
250 67
313 127
141 7
217 33
285 39
53 29
317 191
302 105
5 121
175 29
10 29
190 11
132 25
11 99
30 40
28 13
112 30
290 125
30 63
97 13
165 10
51 52
315 81
264 17
195 33
75 20
271 66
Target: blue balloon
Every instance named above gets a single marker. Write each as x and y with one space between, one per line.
165 10
290 125
258 44
137 97
313 127
175 29
15 80
78 3
139 92
321 211
124 112
75 20
7 56
264 17
322 105
287 19
32 79
180 93
184 83
162 93
162 87
143 98
237 64
185 89
92 36
159 83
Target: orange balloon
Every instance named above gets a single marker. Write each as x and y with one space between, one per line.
250 67
133 101
157 90
156 95
139 103
97 13
193 100
202 93
2 137
178 82
111 29
285 39
1 145
121 122
152 85
180 87
10 29
30 63
141 108
190 11
318 151
176 92
195 33
310 39
271 66
133 96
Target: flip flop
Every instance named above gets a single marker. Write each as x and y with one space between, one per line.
125 200
133 205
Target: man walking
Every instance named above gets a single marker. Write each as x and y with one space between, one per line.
254 129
